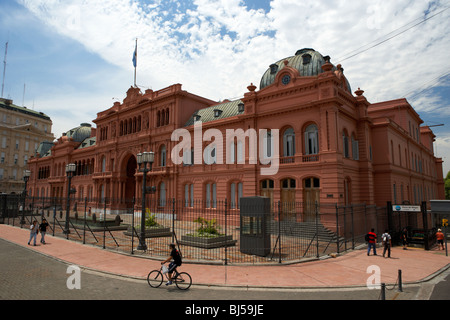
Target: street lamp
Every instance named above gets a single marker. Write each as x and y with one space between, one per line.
145 161
26 177
70 171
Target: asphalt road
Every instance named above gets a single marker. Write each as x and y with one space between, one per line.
28 275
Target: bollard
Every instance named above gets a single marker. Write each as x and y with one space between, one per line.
383 291
400 285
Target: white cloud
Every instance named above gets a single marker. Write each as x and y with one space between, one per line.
442 150
215 48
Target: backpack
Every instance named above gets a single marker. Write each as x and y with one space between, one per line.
367 237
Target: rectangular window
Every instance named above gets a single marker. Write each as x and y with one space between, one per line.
395 193
251 225
233 196
186 195
240 193
355 149
214 196
346 149
208 196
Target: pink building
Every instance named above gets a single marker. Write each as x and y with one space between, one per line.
326 144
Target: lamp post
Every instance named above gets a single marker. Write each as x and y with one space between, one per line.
145 161
70 171
26 177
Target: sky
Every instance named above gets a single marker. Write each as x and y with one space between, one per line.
72 59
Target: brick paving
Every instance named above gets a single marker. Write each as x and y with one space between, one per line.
348 270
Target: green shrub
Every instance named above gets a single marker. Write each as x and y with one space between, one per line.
207 227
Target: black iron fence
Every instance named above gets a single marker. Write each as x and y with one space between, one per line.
205 231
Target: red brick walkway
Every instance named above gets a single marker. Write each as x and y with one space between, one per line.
350 269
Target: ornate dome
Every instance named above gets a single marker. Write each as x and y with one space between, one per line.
307 61
79 134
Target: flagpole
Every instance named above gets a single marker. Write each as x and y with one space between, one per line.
135 64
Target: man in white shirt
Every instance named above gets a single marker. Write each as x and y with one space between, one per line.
386 237
34 229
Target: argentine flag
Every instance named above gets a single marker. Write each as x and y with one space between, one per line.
135 56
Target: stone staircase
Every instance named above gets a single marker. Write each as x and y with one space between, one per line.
305 230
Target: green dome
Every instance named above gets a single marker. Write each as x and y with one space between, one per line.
79 134
307 61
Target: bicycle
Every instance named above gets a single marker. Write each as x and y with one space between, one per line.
182 280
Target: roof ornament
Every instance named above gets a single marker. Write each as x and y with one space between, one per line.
327 66
359 92
251 87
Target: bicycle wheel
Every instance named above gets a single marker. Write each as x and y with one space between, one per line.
155 278
183 281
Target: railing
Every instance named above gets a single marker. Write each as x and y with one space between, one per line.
294 232
311 158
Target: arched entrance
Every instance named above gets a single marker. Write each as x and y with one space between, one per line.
130 183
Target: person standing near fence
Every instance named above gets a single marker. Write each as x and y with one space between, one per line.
387 243
372 239
34 230
405 238
43 229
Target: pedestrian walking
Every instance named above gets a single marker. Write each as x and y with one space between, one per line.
440 239
372 242
34 230
43 229
387 243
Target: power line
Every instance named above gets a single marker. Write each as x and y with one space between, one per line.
434 81
395 35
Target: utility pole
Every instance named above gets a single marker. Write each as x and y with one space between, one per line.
4 68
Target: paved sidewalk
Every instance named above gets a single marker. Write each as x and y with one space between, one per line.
348 270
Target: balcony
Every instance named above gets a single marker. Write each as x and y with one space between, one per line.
310 158
284 160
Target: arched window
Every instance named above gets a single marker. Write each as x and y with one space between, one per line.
289 143
211 195
236 193
268 145
311 140
189 195
163 156
209 154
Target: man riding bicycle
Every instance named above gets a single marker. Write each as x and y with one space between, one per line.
176 257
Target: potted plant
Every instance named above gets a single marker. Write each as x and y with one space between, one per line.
152 228
207 236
